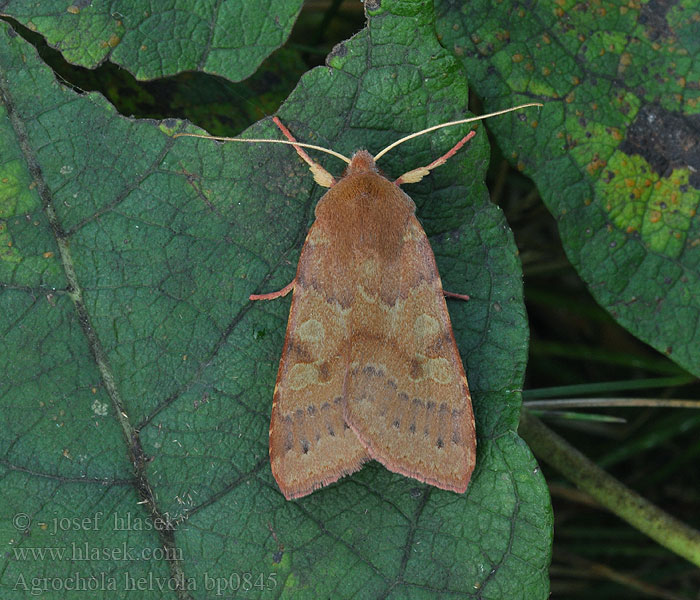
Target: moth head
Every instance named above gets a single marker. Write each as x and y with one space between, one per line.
361 162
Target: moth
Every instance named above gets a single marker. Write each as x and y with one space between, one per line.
370 368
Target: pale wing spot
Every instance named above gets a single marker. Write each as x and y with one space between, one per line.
301 375
425 327
366 296
310 330
369 268
411 234
317 237
395 317
439 370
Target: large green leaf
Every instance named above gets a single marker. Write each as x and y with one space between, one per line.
615 153
137 377
164 37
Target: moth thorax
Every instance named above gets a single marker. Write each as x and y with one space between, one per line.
362 161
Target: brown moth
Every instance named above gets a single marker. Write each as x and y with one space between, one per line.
370 368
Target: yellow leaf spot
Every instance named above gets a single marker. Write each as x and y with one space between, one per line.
517 58
48 254
72 9
113 40
654 216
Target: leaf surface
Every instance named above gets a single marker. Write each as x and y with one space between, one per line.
615 150
157 39
140 377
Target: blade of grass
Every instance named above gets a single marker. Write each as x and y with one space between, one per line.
606 387
613 495
559 403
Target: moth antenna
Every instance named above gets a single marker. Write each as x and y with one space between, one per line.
265 141
321 176
434 127
416 175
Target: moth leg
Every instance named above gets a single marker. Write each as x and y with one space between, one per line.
455 295
278 294
321 176
416 175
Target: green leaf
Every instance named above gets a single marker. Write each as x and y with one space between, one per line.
614 151
138 378
158 39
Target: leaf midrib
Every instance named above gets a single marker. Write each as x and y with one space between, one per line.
131 435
